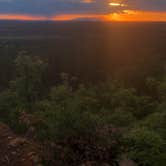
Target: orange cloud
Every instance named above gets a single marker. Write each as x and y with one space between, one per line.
125 15
21 17
68 17
87 1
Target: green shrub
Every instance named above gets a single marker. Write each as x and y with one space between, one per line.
120 118
146 147
157 123
64 124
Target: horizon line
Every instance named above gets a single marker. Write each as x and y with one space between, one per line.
124 16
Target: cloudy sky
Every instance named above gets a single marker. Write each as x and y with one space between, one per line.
77 9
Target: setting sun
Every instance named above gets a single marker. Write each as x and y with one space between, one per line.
137 16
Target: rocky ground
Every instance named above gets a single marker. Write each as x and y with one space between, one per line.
17 151
20 151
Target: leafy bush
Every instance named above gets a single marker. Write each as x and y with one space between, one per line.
157 123
120 118
28 84
146 147
69 122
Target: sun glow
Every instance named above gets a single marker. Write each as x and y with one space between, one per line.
117 4
137 16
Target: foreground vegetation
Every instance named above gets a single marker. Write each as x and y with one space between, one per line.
78 124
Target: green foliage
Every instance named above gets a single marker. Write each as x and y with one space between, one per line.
102 120
146 147
60 95
157 123
120 118
8 105
10 111
65 117
115 97
162 90
74 124
29 82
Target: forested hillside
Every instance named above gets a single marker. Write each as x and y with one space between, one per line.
82 125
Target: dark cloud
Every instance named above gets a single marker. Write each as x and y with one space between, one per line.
50 7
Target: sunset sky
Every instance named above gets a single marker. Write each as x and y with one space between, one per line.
64 10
